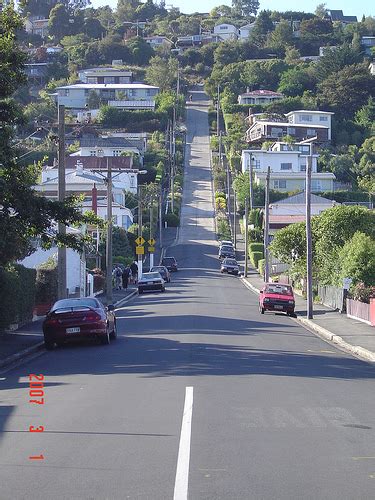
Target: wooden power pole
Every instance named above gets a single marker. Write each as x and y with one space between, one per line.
61 251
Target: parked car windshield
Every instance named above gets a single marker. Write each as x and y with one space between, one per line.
279 289
169 260
231 262
68 303
150 276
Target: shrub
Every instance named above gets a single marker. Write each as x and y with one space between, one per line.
363 293
255 257
256 235
17 291
173 220
255 247
261 266
223 228
46 285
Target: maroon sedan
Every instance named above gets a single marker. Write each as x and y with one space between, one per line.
78 319
277 297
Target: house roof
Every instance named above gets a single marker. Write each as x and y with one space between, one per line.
115 86
288 124
286 219
262 93
338 15
311 112
106 142
248 25
300 199
99 163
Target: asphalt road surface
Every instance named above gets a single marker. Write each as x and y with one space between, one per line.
200 395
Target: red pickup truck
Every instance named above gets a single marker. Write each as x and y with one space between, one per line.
277 297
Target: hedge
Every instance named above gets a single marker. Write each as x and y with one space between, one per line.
255 247
46 285
261 266
113 117
17 292
172 220
255 257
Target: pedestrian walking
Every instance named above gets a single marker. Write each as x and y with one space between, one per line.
134 270
117 274
125 277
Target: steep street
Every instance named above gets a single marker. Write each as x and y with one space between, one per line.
275 412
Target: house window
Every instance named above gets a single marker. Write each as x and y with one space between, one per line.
119 198
116 152
291 131
305 118
276 132
315 185
286 166
125 219
132 181
304 148
66 92
323 118
93 152
303 168
114 220
257 164
279 184
311 132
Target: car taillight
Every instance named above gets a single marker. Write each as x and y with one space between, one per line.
92 316
52 322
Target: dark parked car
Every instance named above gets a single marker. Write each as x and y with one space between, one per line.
77 319
277 297
227 251
151 281
230 266
164 273
170 263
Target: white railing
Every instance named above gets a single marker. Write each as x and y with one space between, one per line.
133 104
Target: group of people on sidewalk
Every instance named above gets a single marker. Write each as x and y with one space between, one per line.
123 276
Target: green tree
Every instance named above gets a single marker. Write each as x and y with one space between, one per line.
263 26
282 37
162 73
23 214
58 23
126 10
141 51
336 58
296 80
357 259
93 28
365 116
347 90
320 10
245 8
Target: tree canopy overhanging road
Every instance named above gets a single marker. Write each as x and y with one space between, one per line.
199 393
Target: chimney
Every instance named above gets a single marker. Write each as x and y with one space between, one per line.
94 198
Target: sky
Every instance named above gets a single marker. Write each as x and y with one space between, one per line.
349 8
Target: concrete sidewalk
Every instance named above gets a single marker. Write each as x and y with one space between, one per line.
29 338
353 336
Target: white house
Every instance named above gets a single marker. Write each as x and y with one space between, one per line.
75 265
105 75
122 216
368 42
37 26
120 95
312 118
261 96
288 167
245 31
158 41
106 146
226 31
293 209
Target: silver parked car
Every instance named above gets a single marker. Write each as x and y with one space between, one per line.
152 282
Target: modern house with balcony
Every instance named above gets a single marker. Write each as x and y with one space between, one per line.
125 96
315 118
158 41
261 97
288 167
226 31
105 75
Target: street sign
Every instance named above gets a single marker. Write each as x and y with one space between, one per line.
151 242
151 249
139 250
140 240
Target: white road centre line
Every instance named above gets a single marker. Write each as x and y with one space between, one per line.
182 472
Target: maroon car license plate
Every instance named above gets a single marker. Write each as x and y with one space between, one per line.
278 307
73 330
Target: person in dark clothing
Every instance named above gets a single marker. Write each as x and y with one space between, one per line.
125 277
134 270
